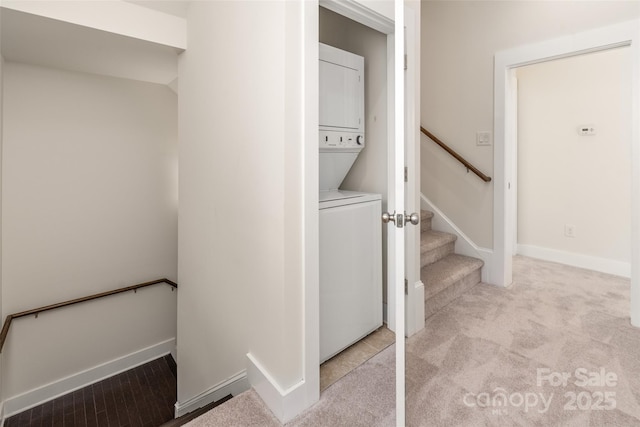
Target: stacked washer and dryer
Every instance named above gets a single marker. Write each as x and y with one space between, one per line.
350 227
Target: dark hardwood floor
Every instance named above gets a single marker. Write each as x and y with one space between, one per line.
142 396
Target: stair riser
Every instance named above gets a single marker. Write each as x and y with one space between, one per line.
443 298
436 254
425 224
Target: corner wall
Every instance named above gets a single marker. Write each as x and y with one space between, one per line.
89 204
459 40
240 242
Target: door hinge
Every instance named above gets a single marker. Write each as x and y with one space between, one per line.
405 61
406 174
406 287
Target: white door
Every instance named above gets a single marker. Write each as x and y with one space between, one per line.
414 298
402 222
396 205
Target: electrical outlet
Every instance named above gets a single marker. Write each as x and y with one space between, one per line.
570 230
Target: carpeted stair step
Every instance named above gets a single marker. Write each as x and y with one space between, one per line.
425 220
435 245
447 279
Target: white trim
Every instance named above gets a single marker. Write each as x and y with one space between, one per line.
311 259
464 245
391 126
37 396
604 265
285 404
398 204
234 385
1 414
359 13
418 305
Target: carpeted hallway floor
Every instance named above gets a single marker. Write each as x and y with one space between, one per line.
555 349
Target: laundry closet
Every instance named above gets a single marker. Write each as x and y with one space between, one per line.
348 312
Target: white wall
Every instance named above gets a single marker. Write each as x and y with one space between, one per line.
240 243
459 40
89 189
369 172
565 178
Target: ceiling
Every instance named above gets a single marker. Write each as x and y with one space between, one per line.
172 7
36 40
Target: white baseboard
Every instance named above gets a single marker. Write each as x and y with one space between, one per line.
37 396
604 265
464 245
232 386
285 404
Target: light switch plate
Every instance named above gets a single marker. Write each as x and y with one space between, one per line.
483 138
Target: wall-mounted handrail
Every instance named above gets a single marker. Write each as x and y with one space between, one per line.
36 311
457 156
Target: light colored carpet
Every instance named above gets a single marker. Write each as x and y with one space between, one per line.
491 342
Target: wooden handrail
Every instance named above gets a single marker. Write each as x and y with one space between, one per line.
457 156
36 311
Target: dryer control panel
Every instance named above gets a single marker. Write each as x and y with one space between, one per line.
332 140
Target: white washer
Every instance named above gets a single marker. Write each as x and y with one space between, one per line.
350 268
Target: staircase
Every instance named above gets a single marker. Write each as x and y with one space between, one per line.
445 274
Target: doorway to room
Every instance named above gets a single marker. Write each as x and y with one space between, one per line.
505 149
573 181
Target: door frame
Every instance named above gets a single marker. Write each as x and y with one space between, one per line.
360 13
311 296
357 12
414 298
505 149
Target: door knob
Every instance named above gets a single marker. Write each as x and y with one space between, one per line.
386 217
414 218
